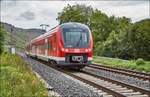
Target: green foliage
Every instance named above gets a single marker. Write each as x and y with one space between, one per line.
139 61
17 80
19 36
119 63
112 36
75 13
1 38
139 38
100 30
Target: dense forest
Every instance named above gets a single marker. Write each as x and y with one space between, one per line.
112 36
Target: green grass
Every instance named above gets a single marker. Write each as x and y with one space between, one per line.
17 80
139 65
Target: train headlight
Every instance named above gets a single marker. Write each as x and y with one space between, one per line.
86 50
66 50
90 50
62 49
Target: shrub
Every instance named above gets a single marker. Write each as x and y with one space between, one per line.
17 80
140 61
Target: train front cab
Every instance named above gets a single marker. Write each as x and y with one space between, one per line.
76 45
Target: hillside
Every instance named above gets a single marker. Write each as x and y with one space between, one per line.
19 35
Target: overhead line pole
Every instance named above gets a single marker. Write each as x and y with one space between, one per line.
44 26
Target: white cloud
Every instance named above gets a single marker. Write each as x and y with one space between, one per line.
46 11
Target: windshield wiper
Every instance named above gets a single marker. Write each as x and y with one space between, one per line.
77 44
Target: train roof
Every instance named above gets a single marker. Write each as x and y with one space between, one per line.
73 24
64 25
48 33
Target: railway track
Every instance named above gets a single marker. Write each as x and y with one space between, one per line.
116 90
122 84
123 78
106 87
131 73
111 87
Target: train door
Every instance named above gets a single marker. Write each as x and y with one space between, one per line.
46 46
33 50
49 46
36 50
54 45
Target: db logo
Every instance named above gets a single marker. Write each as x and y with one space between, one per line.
76 50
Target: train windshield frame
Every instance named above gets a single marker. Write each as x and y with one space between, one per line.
75 36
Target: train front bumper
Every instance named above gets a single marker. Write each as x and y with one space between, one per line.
64 63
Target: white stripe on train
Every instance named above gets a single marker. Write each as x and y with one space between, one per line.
54 58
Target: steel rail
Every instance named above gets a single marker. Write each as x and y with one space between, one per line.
121 69
120 72
114 93
135 88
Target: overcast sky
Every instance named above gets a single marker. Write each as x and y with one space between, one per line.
30 14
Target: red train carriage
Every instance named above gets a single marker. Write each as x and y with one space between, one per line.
69 44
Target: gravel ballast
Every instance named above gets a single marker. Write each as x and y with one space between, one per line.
61 83
120 77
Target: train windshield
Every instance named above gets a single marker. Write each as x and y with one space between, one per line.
76 37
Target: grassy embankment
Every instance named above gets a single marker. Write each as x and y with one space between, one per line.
139 65
17 80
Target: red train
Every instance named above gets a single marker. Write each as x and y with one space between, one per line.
69 44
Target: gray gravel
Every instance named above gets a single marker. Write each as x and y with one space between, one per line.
62 84
120 77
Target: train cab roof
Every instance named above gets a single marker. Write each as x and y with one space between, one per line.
73 25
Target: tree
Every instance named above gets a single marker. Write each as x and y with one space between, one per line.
75 13
139 38
98 24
